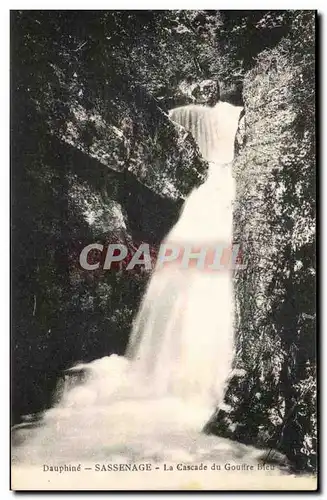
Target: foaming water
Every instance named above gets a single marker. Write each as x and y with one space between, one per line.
182 338
180 351
213 128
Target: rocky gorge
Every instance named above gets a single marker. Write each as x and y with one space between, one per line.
96 158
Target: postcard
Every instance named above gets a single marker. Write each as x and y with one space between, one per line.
163 176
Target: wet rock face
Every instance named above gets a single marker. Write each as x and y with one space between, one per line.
207 92
232 92
162 155
132 133
273 220
96 170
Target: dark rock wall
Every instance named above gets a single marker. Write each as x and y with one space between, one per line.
274 221
84 170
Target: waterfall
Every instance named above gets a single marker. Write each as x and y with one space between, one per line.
180 351
182 339
213 128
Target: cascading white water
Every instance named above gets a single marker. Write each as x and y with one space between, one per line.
181 346
182 339
213 128
146 409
